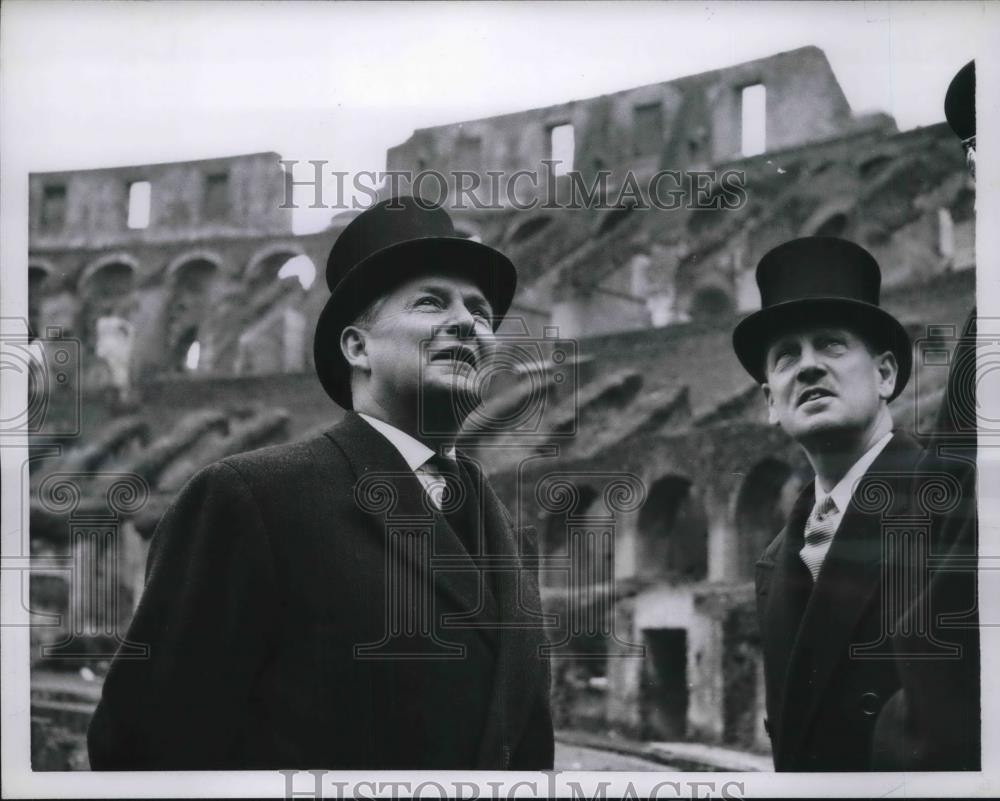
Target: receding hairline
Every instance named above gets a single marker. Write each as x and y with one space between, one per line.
423 281
876 341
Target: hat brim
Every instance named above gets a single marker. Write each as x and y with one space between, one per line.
754 333
385 269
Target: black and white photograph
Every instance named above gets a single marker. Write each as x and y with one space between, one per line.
499 399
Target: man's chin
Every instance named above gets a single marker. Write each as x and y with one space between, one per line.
462 391
816 425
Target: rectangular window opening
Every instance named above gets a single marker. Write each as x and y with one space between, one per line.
139 196
753 120
562 146
647 129
217 196
53 207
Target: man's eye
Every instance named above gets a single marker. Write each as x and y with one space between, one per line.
781 357
428 300
832 343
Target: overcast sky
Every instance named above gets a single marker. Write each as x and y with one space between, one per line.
105 84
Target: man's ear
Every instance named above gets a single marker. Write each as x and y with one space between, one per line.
772 416
888 373
354 347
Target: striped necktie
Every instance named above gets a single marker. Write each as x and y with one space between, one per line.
459 503
820 528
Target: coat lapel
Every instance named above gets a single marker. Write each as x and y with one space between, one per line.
850 577
495 604
371 455
786 594
520 631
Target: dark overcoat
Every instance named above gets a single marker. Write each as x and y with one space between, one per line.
823 698
934 721
305 607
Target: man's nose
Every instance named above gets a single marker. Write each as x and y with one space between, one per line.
811 366
461 322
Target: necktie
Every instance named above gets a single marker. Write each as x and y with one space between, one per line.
820 528
459 503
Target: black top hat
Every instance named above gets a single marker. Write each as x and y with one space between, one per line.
820 280
391 242
960 102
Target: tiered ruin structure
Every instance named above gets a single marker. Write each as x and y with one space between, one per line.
637 443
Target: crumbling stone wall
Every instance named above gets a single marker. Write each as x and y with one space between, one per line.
207 269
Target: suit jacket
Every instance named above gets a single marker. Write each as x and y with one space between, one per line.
822 701
295 620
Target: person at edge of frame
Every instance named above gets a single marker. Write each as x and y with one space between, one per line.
290 624
829 360
934 721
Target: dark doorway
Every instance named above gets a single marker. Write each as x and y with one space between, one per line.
664 690
673 532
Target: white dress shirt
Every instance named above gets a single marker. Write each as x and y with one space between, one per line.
844 488
415 454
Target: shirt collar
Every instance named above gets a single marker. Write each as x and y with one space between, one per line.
844 488
413 451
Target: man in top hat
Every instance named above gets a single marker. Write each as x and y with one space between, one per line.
830 361
958 409
359 599
933 722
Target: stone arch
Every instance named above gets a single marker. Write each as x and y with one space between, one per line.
193 281
265 263
106 260
43 265
105 288
272 328
710 302
190 256
763 503
830 219
672 531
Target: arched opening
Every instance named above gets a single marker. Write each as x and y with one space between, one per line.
273 339
764 502
192 300
106 293
673 532
710 303
301 268
278 272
